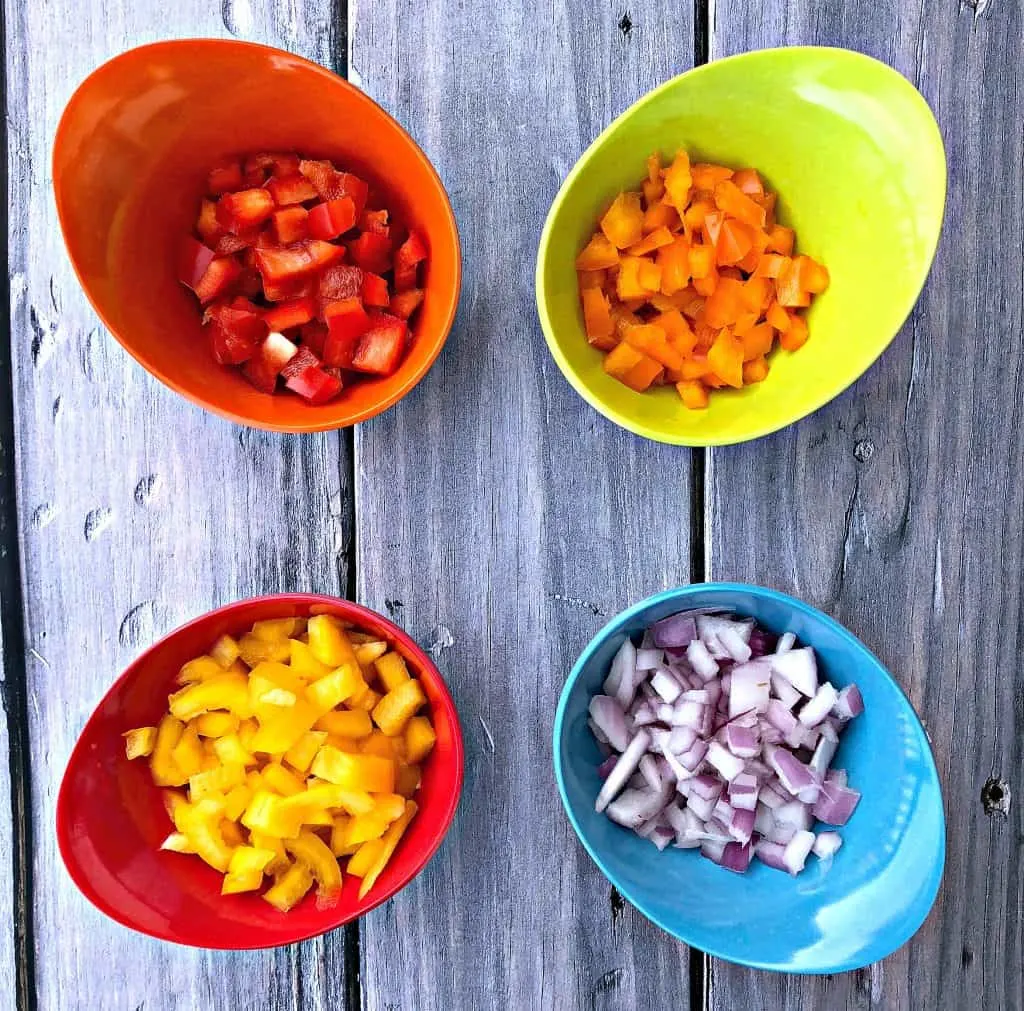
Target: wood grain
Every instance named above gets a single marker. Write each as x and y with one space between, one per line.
898 508
138 511
501 519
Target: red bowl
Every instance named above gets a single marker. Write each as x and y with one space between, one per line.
111 818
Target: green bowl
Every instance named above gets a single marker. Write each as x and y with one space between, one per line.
856 157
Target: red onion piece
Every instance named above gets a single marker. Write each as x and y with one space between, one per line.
649 659
666 684
784 691
799 668
605 768
797 850
820 706
835 803
609 718
771 854
627 764
649 770
724 761
749 688
703 663
633 807
785 643
736 857
713 850
675 630
826 844
850 703
741 825
734 644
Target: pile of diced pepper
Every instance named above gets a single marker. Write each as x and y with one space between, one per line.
302 280
691 281
288 751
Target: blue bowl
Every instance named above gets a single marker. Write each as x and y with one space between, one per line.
880 885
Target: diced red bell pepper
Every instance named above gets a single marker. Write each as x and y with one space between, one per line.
241 211
193 260
292 313
291 189
225 177
301 360
235 332
410 253
277 163
347 321
314 336
374 221
293 287
241 302
265 366
380 349
297 259
229 244
206 225
332 184
315 385
290 224
375 291
371 251
331 218
218 278
405 303
340 281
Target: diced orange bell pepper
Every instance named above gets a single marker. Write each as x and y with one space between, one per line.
754 294
749 182
652 241
391 668
755 371
215 782
188 752
678 331
777 317
702 261
276 629
694 215
279 732
813 275
678 181
368 652
694 394
745 322
795 335
788 290
731 200
201 824
590 279
707 177
661 215
758 244
652 191
628 284
301 754
757 341
781 240
311 851
706 285
653 341
649 276
379 743
199 669
365 858
674 261
725 304
279 779
598 254
597 319
735 240
407 782
725 357
303 663
290 888
623 222
225 651
631 367
770 265
711 229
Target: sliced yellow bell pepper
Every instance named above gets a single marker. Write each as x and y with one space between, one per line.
355 772
216 724
245 871
328 692
397 707
329 643
368 652
219 780
279 733
301 754
419 738
225 651
351 723
391 670
304 664
309 849
267 813
365 857
200 669
289 888
255 650
139 743
161 764
230 750
390 843
188 752
222 691
278 778
407 782
276 629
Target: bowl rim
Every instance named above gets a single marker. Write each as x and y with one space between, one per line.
205 403
830 392
680 593
356 611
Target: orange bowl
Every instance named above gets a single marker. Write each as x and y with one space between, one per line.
130 161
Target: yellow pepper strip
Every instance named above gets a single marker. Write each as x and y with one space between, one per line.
365 858
218 780
230 750
408 780
389 806
177 842
200 669
301 754
223 691
367 700
311 850
278 778
202 826
139 743
367 652
352 723
419 738
328 692
338 845
267 813
391 670
236 800
304 664
397 707
225 651
161 764
329 643
321 796
279 733
245 871
216 724
364 827
262 841
276 629
390 842
378 743
231 832
289 888
355 772
255 650
188 752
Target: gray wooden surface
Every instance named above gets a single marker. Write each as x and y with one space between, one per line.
511 520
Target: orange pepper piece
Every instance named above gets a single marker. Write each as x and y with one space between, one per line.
725 357
748 181
813 275
654 167
632 367
758 244
598 254
628 285
693 393
725 304
795 335
694 215
623 222
652 241
597 319
754 294
777 317
702 261
731 200
694 368
770 265
678 331
735 240
745 322
674 261
653 342
661 215
712 228
678 181
707 177
757 341
590 278
649 275
781 240
755 371
789 291
706 285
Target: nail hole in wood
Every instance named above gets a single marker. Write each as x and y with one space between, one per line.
995 797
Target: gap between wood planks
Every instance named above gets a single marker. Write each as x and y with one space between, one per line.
12 636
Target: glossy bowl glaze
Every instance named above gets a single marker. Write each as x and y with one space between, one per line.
130 160
111 818
882 882
856 157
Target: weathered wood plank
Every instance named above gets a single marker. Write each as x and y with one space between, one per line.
138 511
501 519
923 459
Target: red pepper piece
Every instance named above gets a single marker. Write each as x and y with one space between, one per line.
405 303
332 184
300 361
340 281
293 287
218 278
235 332
347 321
331 218
410 253
293 189
375 291
380 349
274 163
374 221
271 357
371 251
244 210
206 225
314 336
315 385
290 224
297 259
241 302
230 244
193 260
225 177
292 313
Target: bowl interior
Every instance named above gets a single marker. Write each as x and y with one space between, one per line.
857 160
111 819
882 882
130 160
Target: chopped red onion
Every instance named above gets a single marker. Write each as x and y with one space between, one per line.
731 744
799 668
